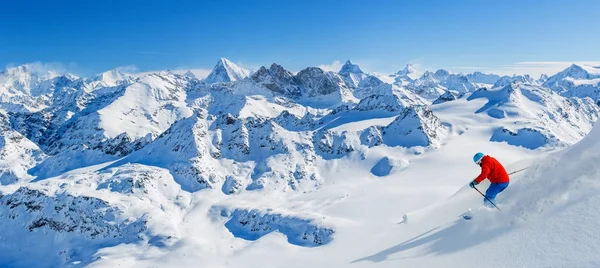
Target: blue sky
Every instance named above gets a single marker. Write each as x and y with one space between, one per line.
503 36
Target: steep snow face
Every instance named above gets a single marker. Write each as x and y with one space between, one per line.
114 122
415 126
147 107
570 171
150 105
576 81
186 150
73 216
350 68
352 73
226 71
282 159
559 120
408 71
65 228
253 152
555 199
17 154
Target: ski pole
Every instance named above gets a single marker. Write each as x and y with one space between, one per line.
486 197
519 170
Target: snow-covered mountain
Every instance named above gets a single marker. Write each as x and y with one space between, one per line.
544 117
449 95
405 76
507 80
576 81
226 71
170 170
432 85
26 89
482 78
17 153
408 71
353 73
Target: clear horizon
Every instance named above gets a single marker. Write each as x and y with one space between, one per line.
509 37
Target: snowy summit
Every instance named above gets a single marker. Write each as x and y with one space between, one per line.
226 71
312 169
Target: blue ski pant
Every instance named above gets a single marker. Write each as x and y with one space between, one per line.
492 191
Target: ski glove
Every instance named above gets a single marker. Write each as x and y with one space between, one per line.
473 183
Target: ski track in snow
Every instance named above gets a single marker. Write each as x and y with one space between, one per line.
317 169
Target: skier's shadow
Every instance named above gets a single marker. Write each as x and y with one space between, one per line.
455 237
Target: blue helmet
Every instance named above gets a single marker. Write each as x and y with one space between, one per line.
477 158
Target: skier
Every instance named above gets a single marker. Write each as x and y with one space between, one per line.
493 171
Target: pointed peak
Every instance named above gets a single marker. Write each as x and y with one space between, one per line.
408 70
275 66
574 68
442 72
226 71
224 60
189 74
349 68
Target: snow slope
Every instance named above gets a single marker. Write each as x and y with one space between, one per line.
226 71
275 169
576 81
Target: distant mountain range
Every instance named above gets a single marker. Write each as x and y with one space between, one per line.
109 159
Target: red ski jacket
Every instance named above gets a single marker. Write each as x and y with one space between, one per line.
492 170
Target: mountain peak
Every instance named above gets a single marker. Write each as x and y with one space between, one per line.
575 68
441 73
484 78
189 74
408 69
226 71
110 77
30 71
580 71
350 68
224 62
